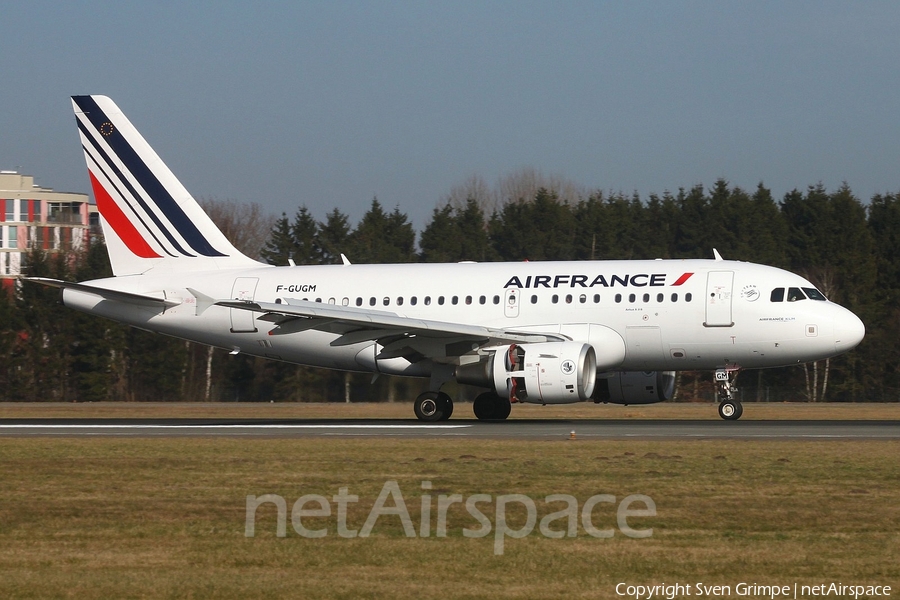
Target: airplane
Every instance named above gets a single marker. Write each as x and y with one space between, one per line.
535 332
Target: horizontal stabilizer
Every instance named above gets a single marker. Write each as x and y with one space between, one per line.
106 294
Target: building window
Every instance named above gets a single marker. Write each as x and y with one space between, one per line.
9 210
64 212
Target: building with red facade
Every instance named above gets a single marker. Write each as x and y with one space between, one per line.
32 216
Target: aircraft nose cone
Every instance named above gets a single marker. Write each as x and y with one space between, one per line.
848 332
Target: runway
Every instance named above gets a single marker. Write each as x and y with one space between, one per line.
548 429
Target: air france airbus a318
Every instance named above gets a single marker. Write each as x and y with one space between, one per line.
538 332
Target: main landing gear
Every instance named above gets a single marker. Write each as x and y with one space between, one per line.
491 407
729 408
438 406
433 406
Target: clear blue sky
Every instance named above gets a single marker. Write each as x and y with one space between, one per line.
331 103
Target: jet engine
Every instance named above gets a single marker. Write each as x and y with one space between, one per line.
636 387
544 373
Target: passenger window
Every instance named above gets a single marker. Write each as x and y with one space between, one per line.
659 297
413 300
688 297
372 301
387 301
400 301
618 298
777 295
359 301
345 302
632 297
814 294
427 300
534 299
496 299
454 300
441 300
582 298
674 297
482 300
646 297
554 299
568 298
596 298
794 294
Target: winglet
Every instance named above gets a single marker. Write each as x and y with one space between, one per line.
716 255
345 260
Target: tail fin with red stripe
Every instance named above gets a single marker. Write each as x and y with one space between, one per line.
149 219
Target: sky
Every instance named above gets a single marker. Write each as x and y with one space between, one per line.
329 104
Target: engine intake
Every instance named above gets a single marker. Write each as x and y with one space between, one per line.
545 373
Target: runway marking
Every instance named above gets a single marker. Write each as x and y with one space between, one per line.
246 426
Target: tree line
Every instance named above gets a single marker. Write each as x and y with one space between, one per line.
847 248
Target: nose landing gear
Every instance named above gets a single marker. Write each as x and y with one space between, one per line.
729 408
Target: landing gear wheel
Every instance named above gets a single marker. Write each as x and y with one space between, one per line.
428 407
445 405
491 407
503 408
730 410
483 405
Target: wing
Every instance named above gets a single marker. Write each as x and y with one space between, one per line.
413 339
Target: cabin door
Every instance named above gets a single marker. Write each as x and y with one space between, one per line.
718 299
242 321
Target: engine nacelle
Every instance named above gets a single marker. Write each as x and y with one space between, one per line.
636 387
545 373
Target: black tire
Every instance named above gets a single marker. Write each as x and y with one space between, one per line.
502 408
730 410
445 405
427 407
484 406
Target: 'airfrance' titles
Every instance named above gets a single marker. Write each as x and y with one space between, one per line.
556 281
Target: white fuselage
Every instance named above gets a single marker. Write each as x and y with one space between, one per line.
671 314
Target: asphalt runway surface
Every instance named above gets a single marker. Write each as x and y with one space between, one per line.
546 429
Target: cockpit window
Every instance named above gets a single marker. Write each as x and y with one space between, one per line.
777 295
814 294
794 294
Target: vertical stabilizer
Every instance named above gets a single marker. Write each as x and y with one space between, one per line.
149 219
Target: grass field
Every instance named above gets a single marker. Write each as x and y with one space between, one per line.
149 517
403 410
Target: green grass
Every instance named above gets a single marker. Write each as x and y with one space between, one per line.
110 517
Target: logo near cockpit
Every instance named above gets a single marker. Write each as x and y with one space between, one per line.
750 293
